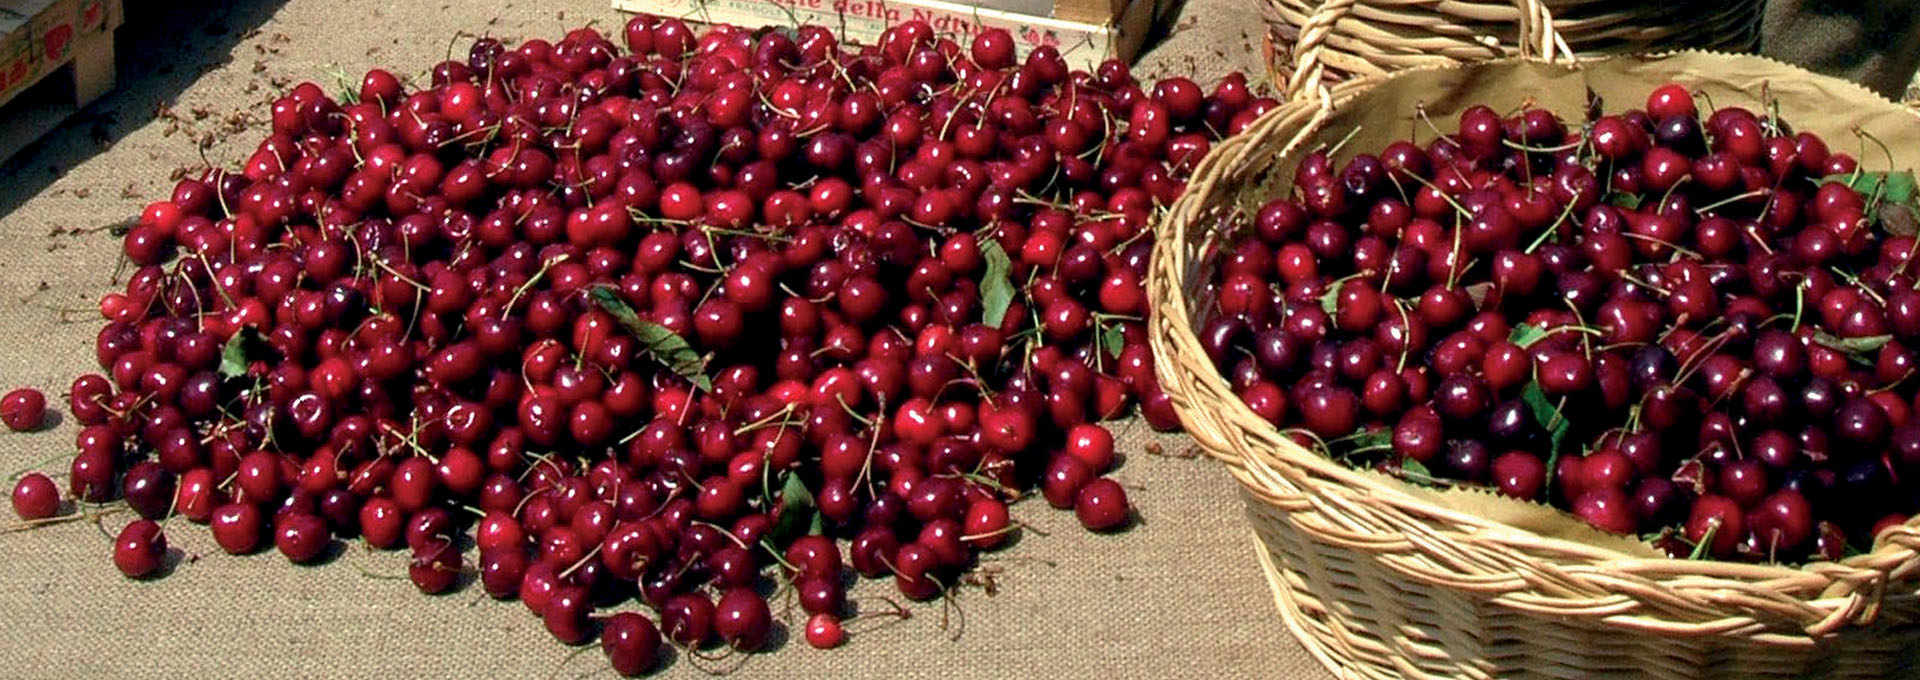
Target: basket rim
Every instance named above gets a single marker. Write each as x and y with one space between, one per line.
1422 17
1696 596
1389 34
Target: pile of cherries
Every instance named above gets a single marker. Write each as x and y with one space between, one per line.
1686 325
655 323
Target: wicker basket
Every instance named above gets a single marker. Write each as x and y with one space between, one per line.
1380 579
1310 42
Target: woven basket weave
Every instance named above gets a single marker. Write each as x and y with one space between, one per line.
1383 580
1311 42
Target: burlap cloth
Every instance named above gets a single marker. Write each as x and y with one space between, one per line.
1178 596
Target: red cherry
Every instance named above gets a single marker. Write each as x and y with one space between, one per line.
23 410
35 497
1101 505
823 629
140 550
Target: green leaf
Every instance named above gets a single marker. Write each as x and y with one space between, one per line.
1524 335
1330 300
1895 187
996 290
1551 419
1544 412
1416 472
239 351
1624 200
1362 441
1860 345
796 512
656 341
1112 339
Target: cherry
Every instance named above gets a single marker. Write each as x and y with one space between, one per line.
631 643
1064 479
237 527
141 549
1719 516
565 615
1671 100
195 496
912 567
301 537
687 619
872 550
23 410
87 398
435 568
821 594
1783 521
742 619
1093 445
1101 505
1329 411
148 489
1743 481
35 497
1607 509
987 523
259 477
824 630
90 477
382 523
1519 474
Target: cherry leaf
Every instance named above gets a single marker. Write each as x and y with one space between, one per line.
996 290
1416 472
1550 419
1361 441
1884 193
240 350
1112 339
1524 335
796 513
1624 200
656 340
1896 187
1854 346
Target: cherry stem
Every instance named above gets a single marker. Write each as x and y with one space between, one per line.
1330 152
1553 228
595 552
29 524
36 466
1756 193
725 532
537 275
1706 539
374 575
576 651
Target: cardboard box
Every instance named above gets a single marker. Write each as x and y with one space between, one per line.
16 58
37 37
66 44
1083 43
